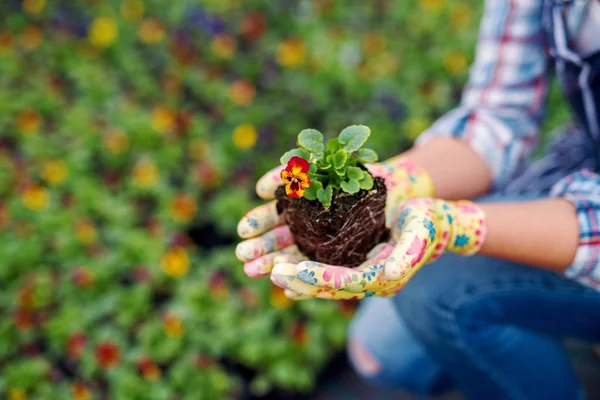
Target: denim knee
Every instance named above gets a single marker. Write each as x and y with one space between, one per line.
385 353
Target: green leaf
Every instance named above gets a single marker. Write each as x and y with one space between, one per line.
355 173
367 155
325 163
312 140
295 152
351 186
314 157
339 159
333 145
353 137
340 172
366 182
325 195
311 192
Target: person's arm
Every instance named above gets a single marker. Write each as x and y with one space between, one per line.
560 234
478 145
541 233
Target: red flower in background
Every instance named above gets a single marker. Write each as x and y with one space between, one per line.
149 369
107 354
76 345
295 177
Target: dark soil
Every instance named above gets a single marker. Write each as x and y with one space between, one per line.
344 233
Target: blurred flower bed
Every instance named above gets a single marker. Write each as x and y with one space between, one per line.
131 135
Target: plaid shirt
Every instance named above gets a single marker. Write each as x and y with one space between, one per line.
502 109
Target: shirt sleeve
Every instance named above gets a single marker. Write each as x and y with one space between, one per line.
502 105
582 189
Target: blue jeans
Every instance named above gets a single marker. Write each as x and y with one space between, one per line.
488 327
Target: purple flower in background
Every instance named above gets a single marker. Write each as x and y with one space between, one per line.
267 137
269 73
208 23
64 20
395 108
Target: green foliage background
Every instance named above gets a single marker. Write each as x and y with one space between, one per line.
105 136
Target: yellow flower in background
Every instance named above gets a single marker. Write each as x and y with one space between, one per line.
145 174
29 122
198 149
17 394
461 15
103 32
183 208
291 53
34 6
86 232
54 172
132 10
151 31
245 136
163 119
175 262
384 64
116 141
455 62
80 392
173 326
278 298
35 198
432 5
30 38
223 45
414 126
242 92
6 43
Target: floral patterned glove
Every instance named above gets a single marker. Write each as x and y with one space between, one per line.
425 228
268 238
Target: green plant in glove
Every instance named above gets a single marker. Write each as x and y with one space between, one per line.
336 165
331 203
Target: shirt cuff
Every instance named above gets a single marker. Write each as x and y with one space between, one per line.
582 189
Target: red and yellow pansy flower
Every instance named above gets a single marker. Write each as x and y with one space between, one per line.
295 177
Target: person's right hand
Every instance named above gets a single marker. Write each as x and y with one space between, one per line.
267 237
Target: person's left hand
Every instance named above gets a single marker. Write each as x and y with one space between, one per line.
424 229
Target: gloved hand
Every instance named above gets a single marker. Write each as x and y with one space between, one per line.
269 238
425 228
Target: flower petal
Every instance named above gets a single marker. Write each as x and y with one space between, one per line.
298 164
303 180
286 176
291 192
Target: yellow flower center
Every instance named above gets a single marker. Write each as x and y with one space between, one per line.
35 198
145 174
54 172
151 31
103 32
291 53
175 263
245 136
173 327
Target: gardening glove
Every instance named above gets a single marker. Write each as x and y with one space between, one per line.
424 229
268 238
